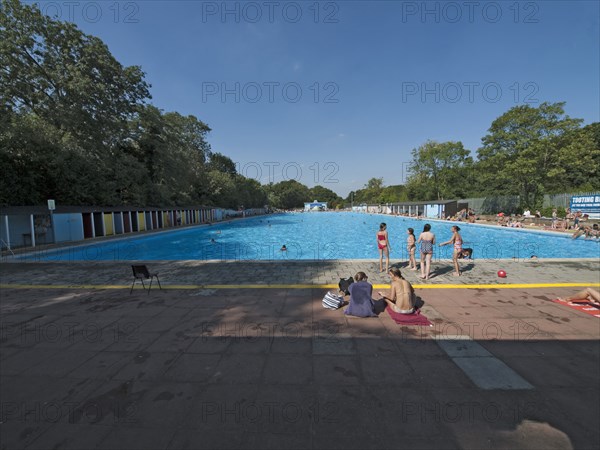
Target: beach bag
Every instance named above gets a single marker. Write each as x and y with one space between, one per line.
332 301
344 285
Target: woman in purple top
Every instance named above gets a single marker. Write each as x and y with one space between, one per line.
361 297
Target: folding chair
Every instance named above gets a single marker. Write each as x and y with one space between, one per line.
141 273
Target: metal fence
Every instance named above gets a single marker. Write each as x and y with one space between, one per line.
563 200
510 204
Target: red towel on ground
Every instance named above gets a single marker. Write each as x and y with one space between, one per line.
587 307
409 319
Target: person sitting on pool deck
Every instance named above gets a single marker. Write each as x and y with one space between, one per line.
361 297
466 253
589 232
401 298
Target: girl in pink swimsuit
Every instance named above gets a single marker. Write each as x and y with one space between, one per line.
458 242
383 246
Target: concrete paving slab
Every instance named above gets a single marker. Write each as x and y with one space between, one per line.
71 437
491 373
137 438
461 347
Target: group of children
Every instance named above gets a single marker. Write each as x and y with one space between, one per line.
427 241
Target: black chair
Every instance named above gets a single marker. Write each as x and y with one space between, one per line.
142 273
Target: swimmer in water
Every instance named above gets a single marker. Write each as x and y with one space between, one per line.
283 248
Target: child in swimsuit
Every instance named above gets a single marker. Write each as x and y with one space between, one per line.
458 243
383 245
411 247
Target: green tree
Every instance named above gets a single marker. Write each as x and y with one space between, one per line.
250 192
173 150
438 171
577 168
370 192
65 103
223 190
222 163
324 194
521 153
69 79
288 194
393 194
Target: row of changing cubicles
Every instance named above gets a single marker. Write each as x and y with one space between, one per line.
106 224
31 226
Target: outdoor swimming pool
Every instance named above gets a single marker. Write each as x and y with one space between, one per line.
320 236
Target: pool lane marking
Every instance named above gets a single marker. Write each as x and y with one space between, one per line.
296 286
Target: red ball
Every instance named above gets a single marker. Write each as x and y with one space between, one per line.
502 274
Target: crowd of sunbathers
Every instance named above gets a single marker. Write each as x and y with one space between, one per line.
588 232
464 215
571 222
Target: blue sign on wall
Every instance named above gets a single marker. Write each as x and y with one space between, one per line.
587 204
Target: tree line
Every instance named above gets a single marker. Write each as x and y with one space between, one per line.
78 127
527 152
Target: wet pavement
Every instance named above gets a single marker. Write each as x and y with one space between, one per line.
86 365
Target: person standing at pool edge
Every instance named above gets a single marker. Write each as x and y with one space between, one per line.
456 239
383 245
411 247
427 240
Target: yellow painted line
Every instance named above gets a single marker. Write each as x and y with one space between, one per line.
294 286
170 286
502 286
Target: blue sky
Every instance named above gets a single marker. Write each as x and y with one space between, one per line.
361 69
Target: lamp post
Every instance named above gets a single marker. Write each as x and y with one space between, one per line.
352 201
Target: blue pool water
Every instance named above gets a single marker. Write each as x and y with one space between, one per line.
321 236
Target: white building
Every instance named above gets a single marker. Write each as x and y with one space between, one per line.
315 206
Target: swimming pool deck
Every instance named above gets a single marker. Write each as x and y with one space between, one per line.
242 355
